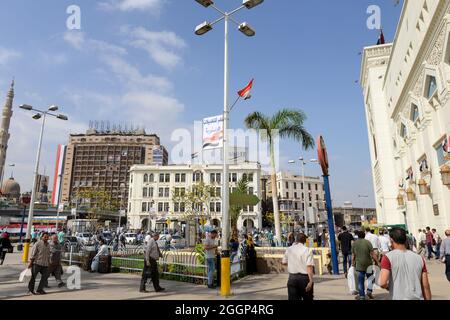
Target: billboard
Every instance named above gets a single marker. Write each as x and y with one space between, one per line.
57 178
213 132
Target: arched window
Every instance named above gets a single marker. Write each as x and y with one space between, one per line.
152 177
430 86
414 115
145 178
244 177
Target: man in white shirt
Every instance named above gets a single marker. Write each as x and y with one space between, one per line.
372 238
385 242
300 262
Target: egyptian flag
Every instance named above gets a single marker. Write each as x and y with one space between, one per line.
381 40
246 92
446 144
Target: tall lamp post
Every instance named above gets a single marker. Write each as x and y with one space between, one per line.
303 162
248 31
38 115
364 203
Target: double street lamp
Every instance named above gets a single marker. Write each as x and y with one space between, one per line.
247 30
38 114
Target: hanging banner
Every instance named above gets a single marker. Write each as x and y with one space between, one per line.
446 148
213 132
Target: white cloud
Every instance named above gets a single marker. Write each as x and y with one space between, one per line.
131 5
7 55
78 41
160 45
132 77
22 145
75 39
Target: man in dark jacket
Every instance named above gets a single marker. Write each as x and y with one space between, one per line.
346 239
5 246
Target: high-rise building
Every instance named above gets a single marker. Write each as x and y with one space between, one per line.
100 161
406 87
4 129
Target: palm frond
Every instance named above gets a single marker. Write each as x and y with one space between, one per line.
287 116
257 121
298 133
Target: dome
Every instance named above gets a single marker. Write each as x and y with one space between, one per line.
11 188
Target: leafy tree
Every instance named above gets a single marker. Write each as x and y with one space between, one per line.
100 201
286 123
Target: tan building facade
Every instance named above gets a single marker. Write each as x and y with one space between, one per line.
102 161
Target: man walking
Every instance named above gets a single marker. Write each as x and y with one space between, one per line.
55 266
384 241
152 255
445 254
430 243
374 241
346 239
210 245
403 271
438 241
300 263
39 262
422 242
363 257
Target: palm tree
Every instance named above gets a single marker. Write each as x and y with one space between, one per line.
286 123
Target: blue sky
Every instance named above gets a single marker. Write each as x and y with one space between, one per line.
139 61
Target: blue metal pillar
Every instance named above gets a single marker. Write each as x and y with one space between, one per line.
334 258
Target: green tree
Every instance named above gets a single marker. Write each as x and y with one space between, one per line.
286 123
196 201
238 199
99 200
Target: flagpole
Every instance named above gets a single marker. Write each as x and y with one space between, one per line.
231 109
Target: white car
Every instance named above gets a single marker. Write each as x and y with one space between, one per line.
84 237
130 238
178 242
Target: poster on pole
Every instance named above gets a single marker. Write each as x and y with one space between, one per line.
213 132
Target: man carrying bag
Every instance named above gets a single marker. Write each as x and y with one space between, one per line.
152 255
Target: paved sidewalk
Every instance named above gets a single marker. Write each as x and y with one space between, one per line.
117 286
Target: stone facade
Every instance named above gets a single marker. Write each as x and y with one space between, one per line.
152 187
406 89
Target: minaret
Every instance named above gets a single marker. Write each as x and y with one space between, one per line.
4 128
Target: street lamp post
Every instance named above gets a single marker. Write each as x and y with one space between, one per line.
248 31
303 162
150 216
364 204
39 114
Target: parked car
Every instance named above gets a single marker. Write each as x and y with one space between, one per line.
84 238
163 242
107 236
178 242
131 238
71 243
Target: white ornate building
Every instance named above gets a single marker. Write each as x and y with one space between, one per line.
152 188
406 88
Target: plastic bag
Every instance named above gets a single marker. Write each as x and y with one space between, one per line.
94 264
351 280
25 275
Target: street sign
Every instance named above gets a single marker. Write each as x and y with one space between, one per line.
74 211
323 155
61 206
107 223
